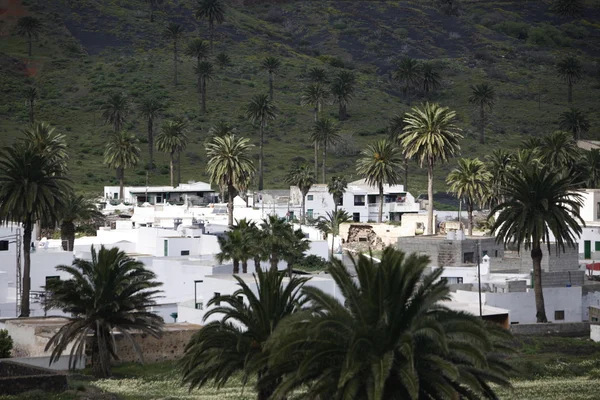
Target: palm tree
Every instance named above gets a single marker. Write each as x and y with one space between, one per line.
76 208
315 95
32 188
232 248
324 133
29 27
30 97
500 162
271 65
151 109
538 203
172 140
570 70
261 110
410 73
431 136
199 50
592 165
379 164
204 71
431 78
115 110
153 6
223 60
174 32
396 127
568 8
301 176
574 121
559 152
110 293
229 165
342 90
482 95
470 181
295 250
122 152
42 137
278 238
337 187
317 75
221 128
213 11
392 338
331 224
244 235
234 345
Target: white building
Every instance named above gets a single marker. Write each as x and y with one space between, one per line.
192 193
360 200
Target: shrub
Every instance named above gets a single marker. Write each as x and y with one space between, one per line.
575 31
312 263
517 30
6 344
547 35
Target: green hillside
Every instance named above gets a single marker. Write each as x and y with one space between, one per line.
92 48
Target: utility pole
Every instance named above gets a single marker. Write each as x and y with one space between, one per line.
478 245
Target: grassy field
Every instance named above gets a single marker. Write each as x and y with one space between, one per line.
91 48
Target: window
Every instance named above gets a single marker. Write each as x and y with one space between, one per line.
495 253
359 200
597 246
217 303
309 197
485 253
453 280
115 195
597 210
340 201
309 213
468 257
3 245
356 217
185 252
559 315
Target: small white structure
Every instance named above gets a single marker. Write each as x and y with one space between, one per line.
191 192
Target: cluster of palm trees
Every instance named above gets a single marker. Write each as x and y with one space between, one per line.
391 338
274 240
35 189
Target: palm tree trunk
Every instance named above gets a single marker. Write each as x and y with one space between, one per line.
199 88
67 235
341 111
236 266
569 94
316 158
405 173
178 168
230 194
271 86
121 183
175 61
302 220
151 142
536 257
470 212
324 161
430 230
31 119
171 166
332 240
316 112
245 266
30 43
211 31
408 94
27 229
274 262
380 214
482 127
257 267
203 94
261 158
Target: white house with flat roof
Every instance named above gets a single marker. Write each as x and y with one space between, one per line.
193 193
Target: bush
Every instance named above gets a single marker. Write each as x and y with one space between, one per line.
519 30
547 35
312 263
575 31
6 344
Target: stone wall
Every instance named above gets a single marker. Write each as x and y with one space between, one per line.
364 233
567 329
563 278
451 253
17 378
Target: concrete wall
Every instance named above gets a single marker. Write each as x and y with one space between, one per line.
595 333
444 252
62 364
562 278
17 378
573 329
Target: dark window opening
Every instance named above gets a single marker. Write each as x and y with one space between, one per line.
356 217
559 315
217 302
185 252
359 200
362 239
3 245
468 258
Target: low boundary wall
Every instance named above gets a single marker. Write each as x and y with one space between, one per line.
572 329
17 378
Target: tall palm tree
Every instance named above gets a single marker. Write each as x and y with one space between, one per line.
172 140
482 95
568 8
111 292
431 78
115 110
271 65
151 109
213 11
31 95
391 338
232 246
174 32
500 162
538 203
43 138
261 110
199 50
235 345
342 90
574 121
396 127
592 165
76 208
301 176
298 245
378 165
430 136
32 188
242 235
317 75
204 71
229 164
324 133
330 224
315 95
410 73
570 70
153 6
223 60
29 27
559 152
221 128
470 181
122 152
337 187
278 238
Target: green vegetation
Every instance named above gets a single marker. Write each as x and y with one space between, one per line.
6 344
301 176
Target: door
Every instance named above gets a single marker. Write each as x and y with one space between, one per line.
166 247
587 249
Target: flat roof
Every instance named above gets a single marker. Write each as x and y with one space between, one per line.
473 308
